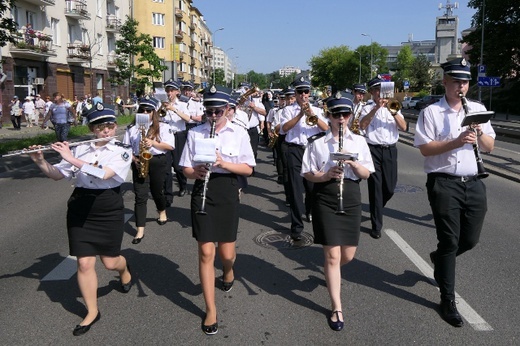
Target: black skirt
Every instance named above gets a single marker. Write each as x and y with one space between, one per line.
220 223
95 222
331 228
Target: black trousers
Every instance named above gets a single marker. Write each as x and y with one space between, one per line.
17 121
153 183
458 209
282 147
381 183
173 157
299 187
254 137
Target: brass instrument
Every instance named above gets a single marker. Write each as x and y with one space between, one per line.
341 164
245 96
481 170
354 125
48 147
144 155
202 210
273 139
310 118
387 92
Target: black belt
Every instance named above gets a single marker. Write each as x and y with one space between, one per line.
384 146
447 176
295 145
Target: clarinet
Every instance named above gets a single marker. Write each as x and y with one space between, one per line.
481 171
202 210
341 164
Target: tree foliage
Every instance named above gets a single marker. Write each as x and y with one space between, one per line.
501 33
220 78
421 75
7 25
136 59
336 66
405 61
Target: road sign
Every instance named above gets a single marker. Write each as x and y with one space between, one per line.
482 69
489 81
406 85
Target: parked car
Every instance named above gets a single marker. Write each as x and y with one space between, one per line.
409 102
426 101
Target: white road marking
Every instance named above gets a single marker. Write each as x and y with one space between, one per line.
63 271
68 267
470 315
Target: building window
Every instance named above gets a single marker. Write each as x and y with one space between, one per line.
158 42
55 28
161 1
158 18
100 44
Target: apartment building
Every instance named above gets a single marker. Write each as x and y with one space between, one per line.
63 46
180 37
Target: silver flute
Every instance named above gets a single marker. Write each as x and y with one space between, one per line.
202 210
48 147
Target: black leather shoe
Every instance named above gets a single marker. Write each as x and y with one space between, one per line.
182 192
296 236
227 286
137 240
80 330
337 325
162 222
126 287
450 313
308 217
375 234
211 329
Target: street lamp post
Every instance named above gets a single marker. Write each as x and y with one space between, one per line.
359 80
371 55
213 34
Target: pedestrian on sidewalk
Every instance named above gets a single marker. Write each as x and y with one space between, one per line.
95 210
58 114
28 111
16 113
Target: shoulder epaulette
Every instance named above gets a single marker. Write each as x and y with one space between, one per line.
315 137
123 145
130 126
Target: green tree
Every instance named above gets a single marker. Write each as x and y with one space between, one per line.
404 64
136 59
421 74
501 32
7 25
336 66
220 76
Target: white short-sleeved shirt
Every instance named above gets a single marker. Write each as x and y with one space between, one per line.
301 131
439 122
383 127
233 144
240 118
114 155
28 107
317 154
256 118
175 122
195 108
133 137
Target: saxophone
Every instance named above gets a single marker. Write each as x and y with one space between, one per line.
354 126
144 155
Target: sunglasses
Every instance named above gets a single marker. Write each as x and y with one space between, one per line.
304 91
217 112
339 115
101 127
145 110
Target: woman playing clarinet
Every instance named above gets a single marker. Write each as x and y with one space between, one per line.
95 218
336 208
216 153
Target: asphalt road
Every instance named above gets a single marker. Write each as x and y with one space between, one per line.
279 297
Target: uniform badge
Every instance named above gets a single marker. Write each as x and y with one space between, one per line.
338 95
464 62
125 156
99 106
302 79
212 89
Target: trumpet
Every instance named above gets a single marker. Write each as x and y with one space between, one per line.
48 147
245 96
310 118
387 92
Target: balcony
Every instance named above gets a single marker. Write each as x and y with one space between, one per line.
178 13
179 34
193 25
34 45
76 9
113 23
111 61
78 53
41 2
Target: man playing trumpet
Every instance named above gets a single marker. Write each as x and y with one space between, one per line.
457 196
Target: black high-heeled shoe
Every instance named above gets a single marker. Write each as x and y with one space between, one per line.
336 325
211 329
126 287
80 330
161 222
137 240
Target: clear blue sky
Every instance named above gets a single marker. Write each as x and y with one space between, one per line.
269 34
